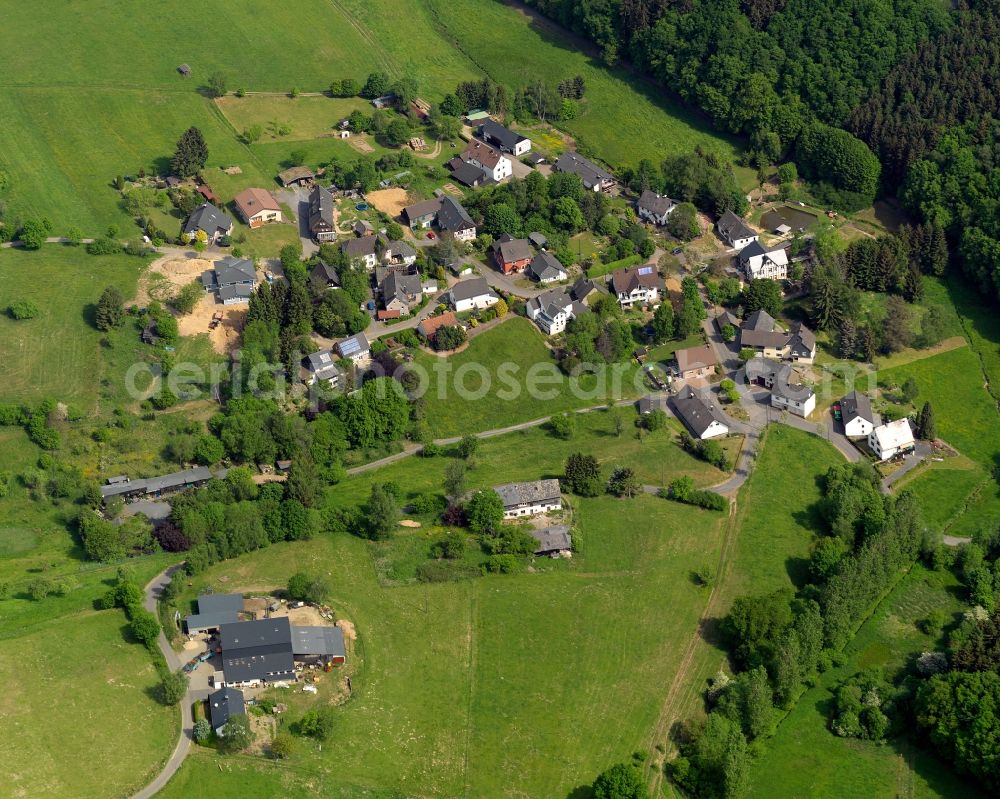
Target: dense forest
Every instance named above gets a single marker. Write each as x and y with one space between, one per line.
823 82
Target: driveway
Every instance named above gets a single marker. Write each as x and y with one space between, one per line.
921 451
297 198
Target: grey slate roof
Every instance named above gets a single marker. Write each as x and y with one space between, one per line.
405 288
696 413
224 704
590 173
655 203
320 209
537 239
857 406
545 266
323 641
325 274
453 217
257 650
238 291
468 174
214 610
583 288
552 539
352 346
492 131
514 494
230 271
421 210
199 474
359 248
732 227
323 365
208 218
652 402
467 289
512 250
727 318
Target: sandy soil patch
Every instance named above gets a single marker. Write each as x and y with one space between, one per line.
350 634
307 616
674 285
388 201
359 141
409 523
167 275
226 337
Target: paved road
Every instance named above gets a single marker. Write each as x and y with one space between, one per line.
153 590
922 451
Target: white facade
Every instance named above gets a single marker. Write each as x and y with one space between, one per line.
522 147
772 265
480 301
888 440
467 234
800 408
642 294
532 509
858 427
714 430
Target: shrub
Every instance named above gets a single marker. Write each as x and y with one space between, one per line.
22 309
104 246
500 564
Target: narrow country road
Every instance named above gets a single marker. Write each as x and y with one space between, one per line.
153 590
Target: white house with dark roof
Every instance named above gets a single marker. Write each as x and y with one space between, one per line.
759 262
321 214
594 178
700 417
324 276
551 310
213 222
637 284
497 165
735 231
233 280
503 138
654 207
355 348
546 268
472 294
530 499
322 367
889 440
761 333
787 392
401 292
454 220
363 250
421 214
857 415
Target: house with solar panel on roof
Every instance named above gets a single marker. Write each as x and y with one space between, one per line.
356 349
637 284
321 367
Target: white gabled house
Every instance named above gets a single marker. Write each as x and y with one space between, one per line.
551 310
857 415
654 207
735 231
472 294
759 262
699 416
530 499
889 440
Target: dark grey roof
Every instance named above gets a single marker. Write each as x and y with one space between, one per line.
453 217
212 603
401 249
325 274
652 402
697 414
208 218
238 291
655 203
857 406
727 318
328 641
405 288
468 174
732 227
322 364
493 131
426 208
550 302
514 494
320 209
802 340
535 158
467 289
584 287
590 173
512 249
352 346
779 375
545 266
359 248
230 271
199 474
214 610
257 650
759 320
552 539
538 239
224 704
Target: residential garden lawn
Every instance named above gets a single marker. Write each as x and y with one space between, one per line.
58 353
805 759
511 353
943 490
308 117
496 652
76 691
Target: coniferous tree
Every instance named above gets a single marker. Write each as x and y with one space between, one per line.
926 427
110 309
191 154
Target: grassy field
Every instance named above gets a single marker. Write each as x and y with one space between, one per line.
308 117
805 759
495 371
71 683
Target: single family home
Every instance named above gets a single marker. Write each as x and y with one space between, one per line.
355 348
363 250
594 178
211 221
429 327
497 165
888 440
257 207
422 214
322 367
503 138
759 262
546 268
857 415
654 207
321 214
233 279
695 362
551 310
453 220
700 417
734 231
530 499
324 276
510 254
475 293
224 704
552 541
401 292
637 284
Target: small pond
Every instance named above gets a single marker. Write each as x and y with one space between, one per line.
795 218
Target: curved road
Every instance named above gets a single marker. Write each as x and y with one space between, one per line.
153 590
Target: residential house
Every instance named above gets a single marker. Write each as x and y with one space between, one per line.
637 284
363 250
497 165
429 327
889 440
321 214
530 499
594 177
553 541
760 262
700 416
211 221
402 293
474 293
422 214
257 652
551 310
787 391
214 610
503 138
510 254
322 367
355 348
695 362
586 291
857 415
762 334
324 276
735 231
224 704
399 252
453 220
654 207
296 176
468 174
257 207
233 279
546 268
